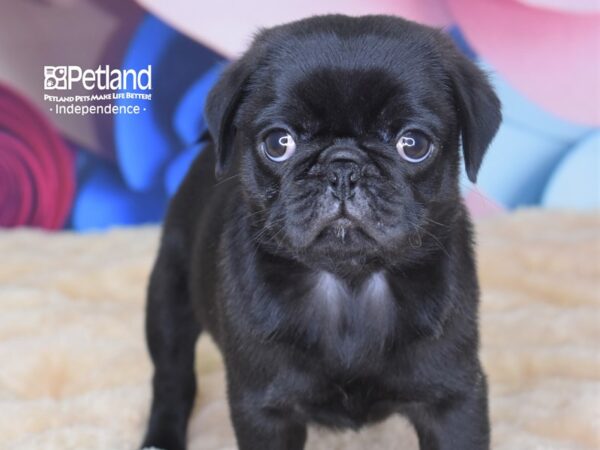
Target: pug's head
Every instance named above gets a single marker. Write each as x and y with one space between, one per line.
346 134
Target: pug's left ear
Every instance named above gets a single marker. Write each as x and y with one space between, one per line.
478 108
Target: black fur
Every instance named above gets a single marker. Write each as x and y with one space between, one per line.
328 311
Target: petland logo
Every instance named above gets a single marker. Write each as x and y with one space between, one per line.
103 78
113 91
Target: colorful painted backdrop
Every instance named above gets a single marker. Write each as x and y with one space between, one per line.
94 172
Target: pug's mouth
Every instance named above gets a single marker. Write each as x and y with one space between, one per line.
344 229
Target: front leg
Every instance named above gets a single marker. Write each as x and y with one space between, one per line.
258 423
172 331
258 429
458 424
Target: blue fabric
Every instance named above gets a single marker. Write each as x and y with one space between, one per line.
179 167
527 150
105 200
188 120
575 184
147 141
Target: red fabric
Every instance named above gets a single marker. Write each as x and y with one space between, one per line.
37 174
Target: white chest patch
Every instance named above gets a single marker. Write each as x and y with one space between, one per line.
330 292
351 324
376 288
337 301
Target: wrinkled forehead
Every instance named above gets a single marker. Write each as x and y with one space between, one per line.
354 86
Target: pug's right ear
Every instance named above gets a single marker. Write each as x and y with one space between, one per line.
220 109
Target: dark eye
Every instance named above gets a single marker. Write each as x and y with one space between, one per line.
414 146
279 145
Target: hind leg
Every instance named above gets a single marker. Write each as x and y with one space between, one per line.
172 330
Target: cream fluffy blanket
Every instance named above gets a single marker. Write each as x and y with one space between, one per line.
74 372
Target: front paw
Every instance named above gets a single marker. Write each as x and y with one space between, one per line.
163 440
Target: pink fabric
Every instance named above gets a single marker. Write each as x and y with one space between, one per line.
229 30
573 6
480 205
37 179
550 56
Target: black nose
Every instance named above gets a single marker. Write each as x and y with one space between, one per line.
343 176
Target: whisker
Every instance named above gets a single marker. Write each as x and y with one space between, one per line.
218 183
256 238
430 220
435 238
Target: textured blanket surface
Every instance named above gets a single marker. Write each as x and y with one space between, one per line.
74 373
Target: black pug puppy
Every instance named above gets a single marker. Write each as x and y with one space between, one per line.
330 257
